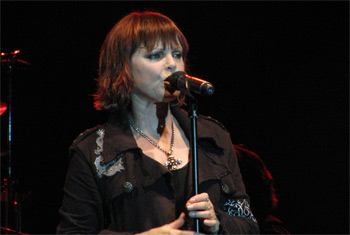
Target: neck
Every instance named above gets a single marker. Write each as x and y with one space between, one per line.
152 118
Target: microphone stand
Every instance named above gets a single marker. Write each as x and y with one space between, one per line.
194 157
180 81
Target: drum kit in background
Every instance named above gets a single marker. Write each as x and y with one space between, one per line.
10 197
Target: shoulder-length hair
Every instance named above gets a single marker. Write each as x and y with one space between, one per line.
115 80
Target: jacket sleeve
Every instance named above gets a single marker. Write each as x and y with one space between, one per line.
82 208
234 212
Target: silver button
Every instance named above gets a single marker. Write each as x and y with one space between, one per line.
128 187
225 188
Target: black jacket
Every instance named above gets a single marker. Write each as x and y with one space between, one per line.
111 186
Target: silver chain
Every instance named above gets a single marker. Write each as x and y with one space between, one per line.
172 162
153 142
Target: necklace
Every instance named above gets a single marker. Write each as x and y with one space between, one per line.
172 162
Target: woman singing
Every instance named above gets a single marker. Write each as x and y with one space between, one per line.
132 175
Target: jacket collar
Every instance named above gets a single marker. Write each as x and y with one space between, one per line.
119 138
203 132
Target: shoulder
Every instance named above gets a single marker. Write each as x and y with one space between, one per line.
213 131
85 137
212 122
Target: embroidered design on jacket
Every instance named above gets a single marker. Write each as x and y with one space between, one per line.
110 168
239 208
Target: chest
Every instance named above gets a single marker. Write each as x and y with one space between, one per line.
151 196
159 149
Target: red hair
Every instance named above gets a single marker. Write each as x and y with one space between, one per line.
147 28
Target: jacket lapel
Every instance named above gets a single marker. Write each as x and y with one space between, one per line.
210 163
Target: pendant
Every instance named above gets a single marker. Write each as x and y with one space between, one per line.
172 163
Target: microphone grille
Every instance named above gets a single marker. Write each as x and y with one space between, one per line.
173 78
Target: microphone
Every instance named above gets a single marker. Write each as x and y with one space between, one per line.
188 84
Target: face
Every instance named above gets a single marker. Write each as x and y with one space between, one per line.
151 68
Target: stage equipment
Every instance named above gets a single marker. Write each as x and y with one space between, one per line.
10 199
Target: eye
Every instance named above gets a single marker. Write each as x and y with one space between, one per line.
177 54
155 55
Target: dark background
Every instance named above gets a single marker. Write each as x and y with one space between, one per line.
281 73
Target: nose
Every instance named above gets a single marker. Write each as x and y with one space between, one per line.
170 63
171 68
